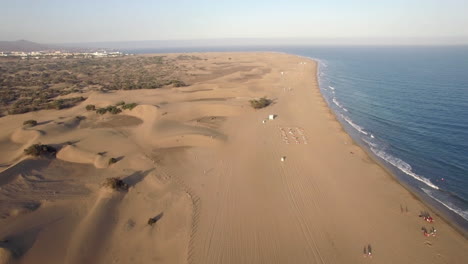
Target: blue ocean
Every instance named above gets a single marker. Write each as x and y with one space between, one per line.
407 106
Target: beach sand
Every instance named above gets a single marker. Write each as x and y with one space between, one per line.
224 183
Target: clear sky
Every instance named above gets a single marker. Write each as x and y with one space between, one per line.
57 21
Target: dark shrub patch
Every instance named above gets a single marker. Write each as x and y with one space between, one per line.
113 110
101 111
112 161
115 183
129 106
40 150
30 123
90 107
260 103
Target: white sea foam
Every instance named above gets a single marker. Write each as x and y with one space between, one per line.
372 136
331 87
403 166
339 104
357 127
450 206
369 143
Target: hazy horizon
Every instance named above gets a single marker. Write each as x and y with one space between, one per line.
230 42
364 22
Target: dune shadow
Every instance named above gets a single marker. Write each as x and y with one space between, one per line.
119 158
59 146
21 242
23 167
136 177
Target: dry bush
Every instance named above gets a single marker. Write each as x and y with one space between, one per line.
112 161
90 107
37 150
101 111
30 123
115 183
260 103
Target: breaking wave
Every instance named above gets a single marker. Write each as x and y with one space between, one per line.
357 127
402 166
449 205
339 104
369 143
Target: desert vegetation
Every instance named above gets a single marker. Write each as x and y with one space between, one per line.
32 85
37 150
112 161
30 123
115 183
90 107
112 109
129 106
260 103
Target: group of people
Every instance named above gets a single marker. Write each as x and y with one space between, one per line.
429 219
426 216
426 233
367 251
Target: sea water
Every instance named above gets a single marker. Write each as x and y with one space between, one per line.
408 106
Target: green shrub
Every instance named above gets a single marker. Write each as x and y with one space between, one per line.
30 123
120 103
101 111
90 107
113 110
260 103
40 150
129 106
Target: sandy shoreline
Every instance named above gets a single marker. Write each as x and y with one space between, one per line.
436 207
201 160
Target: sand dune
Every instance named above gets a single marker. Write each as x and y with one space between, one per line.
204 166
25 136
74 154
148 113
90 235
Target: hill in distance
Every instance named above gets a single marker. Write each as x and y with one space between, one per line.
23 45
29 46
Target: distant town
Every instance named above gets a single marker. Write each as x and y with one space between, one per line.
62 55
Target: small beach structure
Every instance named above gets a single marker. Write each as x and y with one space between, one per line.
283 158
272 117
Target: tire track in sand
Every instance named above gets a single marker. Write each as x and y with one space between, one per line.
196 204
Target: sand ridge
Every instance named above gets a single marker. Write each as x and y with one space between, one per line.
206 166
